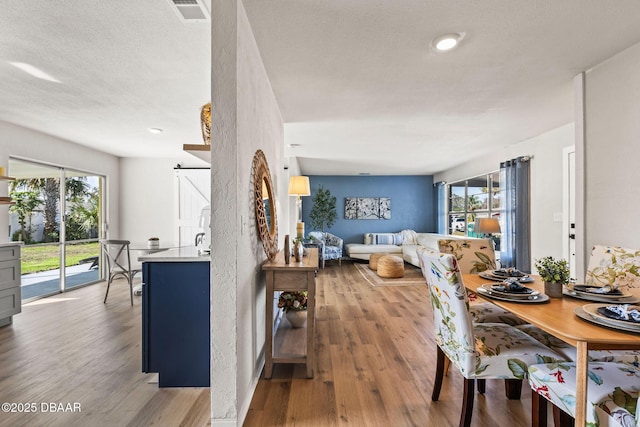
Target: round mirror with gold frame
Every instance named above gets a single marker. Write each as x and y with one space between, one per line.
266 219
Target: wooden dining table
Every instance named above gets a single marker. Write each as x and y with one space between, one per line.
557 317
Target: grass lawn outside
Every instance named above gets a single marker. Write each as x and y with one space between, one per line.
44 257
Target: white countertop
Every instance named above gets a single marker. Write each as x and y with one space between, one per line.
183 254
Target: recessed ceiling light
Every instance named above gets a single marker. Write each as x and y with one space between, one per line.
155 130
34 71
447 42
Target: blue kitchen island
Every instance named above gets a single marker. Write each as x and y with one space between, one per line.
175 317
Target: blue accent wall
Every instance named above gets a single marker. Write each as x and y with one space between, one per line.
413 204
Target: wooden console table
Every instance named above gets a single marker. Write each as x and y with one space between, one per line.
282 342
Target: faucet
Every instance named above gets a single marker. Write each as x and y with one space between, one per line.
199 238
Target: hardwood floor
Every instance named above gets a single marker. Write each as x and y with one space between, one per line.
375 366
72 348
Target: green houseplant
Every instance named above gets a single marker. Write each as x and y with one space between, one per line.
554 273
323 213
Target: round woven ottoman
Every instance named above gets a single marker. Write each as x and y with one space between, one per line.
391 267
373 260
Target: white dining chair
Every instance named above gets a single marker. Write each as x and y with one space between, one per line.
116 253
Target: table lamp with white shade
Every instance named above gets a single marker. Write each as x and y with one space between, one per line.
299 186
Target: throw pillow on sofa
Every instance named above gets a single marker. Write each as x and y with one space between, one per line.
386 238
409 237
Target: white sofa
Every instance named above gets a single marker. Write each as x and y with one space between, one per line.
404 244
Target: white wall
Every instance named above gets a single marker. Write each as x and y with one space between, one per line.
611 152
19 142
148 203
546 184
248 119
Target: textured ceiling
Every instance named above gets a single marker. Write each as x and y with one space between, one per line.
123 67
359 88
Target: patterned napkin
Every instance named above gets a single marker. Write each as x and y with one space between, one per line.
623 312
511 285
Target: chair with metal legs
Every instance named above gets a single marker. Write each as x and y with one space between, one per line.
116 253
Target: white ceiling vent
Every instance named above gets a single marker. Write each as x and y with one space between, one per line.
191 10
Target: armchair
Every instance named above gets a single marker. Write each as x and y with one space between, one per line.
330 246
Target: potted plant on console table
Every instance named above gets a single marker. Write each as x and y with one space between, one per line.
294 305
555 273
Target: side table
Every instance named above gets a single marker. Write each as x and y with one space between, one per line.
281 340
314 244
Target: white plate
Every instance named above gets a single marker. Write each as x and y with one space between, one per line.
531 299
489 276
581 313
512 295
592 310
588 296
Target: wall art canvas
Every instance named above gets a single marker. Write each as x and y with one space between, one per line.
367 208
350 207
385 207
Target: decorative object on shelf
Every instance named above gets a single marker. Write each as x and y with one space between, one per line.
367 208
299 186
266 219
153 243
298 249
294 305
205 122
555 273
287 250
298 319
3 171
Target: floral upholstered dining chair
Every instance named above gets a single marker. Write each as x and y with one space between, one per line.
479 351
615 266
612 392
475 256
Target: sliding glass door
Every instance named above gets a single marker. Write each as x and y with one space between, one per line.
57 215
81 228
